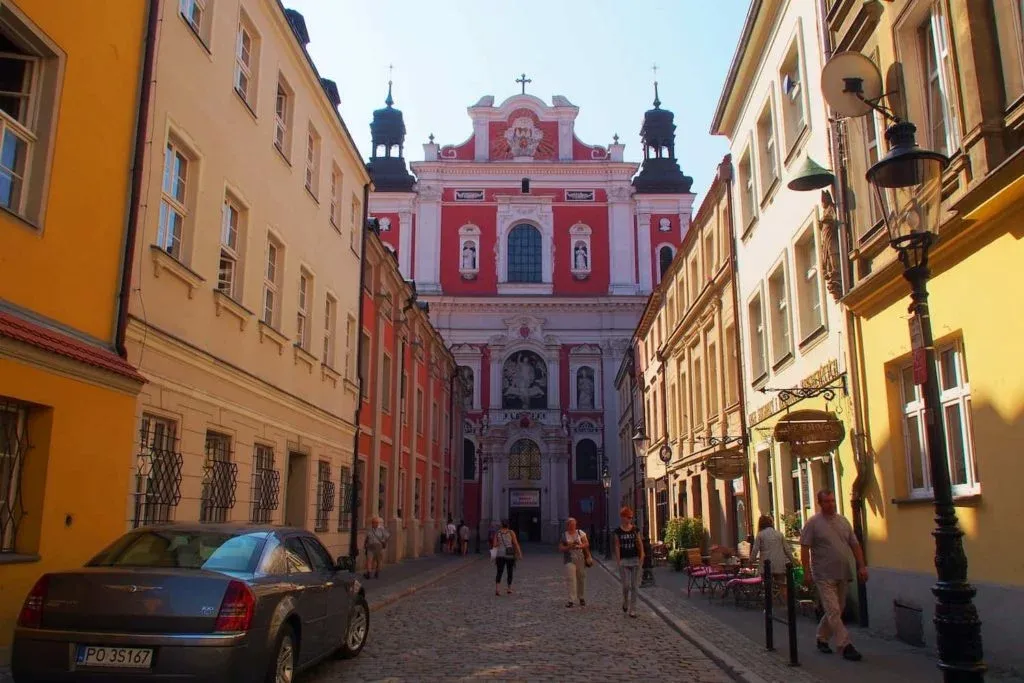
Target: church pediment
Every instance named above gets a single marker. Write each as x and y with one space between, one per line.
524 327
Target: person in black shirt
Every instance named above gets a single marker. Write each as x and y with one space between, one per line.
629 556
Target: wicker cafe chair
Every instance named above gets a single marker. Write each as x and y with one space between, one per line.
696 570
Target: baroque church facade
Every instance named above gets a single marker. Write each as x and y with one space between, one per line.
536 252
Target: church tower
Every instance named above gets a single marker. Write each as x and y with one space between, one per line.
387 161
660 172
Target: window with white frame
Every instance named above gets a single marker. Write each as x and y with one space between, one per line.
936 64
272 283
712 363
312 161
355 219
745 186
758 342
173 201
808 284
791 95
283 108
305 304
955 398
673 409
330 330
336 185
196 14
697 378
710 254
246 58
684 404
229 272
779 315
767 154
385 384
1011 46
350 348
730 364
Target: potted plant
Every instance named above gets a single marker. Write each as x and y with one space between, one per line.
677 558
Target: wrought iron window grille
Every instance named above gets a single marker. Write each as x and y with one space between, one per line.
325 497
159 492
266 486
220 479
14 447
345 500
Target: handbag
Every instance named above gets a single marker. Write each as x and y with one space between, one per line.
494 553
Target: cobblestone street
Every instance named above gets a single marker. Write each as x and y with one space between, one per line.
457 629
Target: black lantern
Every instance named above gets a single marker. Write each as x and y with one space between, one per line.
606 480
640 443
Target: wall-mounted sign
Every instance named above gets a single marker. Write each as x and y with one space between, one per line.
810 433
469 195
579 195
524 498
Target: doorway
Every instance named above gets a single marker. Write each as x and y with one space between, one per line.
526 523
296 490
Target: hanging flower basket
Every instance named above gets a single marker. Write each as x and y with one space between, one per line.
727 464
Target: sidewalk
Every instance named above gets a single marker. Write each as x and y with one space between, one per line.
735 637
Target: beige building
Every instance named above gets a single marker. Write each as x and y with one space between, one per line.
688 360
245 293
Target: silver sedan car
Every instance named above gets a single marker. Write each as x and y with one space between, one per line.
193 603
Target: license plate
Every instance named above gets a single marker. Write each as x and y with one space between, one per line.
116 657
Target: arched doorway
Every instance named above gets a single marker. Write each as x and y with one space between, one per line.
524 492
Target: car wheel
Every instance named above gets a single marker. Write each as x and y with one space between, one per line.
283 659
357 630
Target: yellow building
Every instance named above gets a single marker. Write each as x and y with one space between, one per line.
245 301
67 398
693 406
962 69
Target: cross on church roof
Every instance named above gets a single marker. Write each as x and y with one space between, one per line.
657 101
524 80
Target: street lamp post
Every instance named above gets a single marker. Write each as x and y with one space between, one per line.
914 177
481 468
640 450
606 484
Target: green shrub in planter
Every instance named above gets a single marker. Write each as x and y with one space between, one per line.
683 533
677 558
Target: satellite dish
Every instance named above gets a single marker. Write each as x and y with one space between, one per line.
849 79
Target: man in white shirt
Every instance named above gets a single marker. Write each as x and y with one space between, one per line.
375 544
449 532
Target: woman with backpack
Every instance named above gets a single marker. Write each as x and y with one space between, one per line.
505 550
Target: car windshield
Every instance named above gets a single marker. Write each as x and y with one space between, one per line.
183 549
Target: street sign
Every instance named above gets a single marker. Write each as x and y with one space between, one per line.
919 352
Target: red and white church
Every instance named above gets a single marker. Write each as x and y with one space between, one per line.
535 252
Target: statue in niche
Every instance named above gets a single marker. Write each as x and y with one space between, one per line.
664 225
830 254
469 255
581 259
525 382
466 375
585 388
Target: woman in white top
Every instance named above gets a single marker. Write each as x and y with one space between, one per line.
771 545
574 546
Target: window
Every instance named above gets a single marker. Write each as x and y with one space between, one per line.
684 404
385 384
943 128
778 312
767 154
587 466
283 117
330 331
355 219
710 256
1010 29
324 496
361 484
419 411
433 501
195 14
173 209
246 47
794 119
266 484
271 283
955 397
524 461
313 161
14 447
665 256
297 556
160 492
210 550
758 345
318 555
468 460
713 392
229 276
698 389
382 490
345 490
748 202
731 364
364 366
219 479
435 421
808 284
350 340
336 184
524 254
416 498
302 321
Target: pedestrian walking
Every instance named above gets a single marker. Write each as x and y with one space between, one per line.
505 550
826 542
463 537
770 545
629 556
375 544
575 547
449 532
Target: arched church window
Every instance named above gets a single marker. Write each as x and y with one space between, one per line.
587 467
524 382
468 460
665 255
524 461
524 254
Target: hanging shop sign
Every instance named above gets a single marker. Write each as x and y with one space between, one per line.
727 464
810 433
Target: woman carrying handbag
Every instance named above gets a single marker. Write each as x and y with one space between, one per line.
505 551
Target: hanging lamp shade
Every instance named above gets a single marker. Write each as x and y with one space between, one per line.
811 176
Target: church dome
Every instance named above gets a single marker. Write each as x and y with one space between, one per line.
387 161
660 173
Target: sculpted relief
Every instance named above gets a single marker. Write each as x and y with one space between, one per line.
524 382
585 388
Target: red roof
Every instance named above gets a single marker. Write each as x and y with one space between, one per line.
65 345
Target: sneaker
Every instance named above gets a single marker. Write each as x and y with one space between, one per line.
569 604
824 648
632 615
850 653
366 575
583 603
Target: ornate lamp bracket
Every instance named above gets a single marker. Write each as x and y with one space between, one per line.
828 391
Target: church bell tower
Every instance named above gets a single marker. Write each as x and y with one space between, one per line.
660 172
387 161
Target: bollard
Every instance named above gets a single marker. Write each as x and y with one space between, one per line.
794 659
769 618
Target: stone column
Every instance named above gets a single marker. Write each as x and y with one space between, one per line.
405 244
621 242
481 140
428 242
644 255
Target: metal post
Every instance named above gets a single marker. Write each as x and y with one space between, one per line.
480 494
769 617
957 626
794 659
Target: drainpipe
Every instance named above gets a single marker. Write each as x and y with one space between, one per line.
357 485
138 157
725 175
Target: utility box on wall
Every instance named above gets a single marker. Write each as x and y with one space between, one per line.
909 622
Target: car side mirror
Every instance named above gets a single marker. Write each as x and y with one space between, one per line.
346 563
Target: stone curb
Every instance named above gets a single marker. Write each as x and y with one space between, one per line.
429 581
732 666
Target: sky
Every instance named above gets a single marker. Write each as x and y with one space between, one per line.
447 54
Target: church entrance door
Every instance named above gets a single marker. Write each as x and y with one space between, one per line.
526 523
